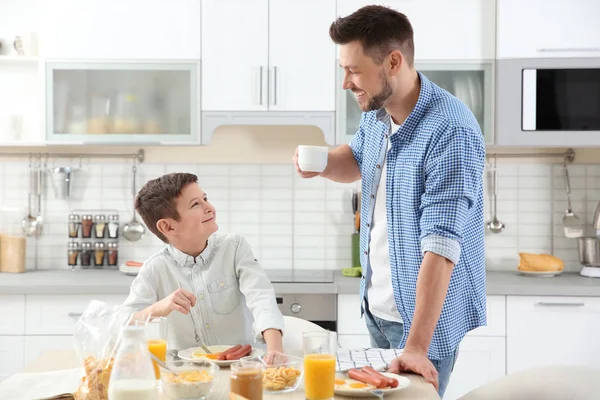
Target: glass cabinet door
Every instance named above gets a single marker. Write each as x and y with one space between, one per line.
472 83
122 103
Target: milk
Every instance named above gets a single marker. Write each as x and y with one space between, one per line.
132 389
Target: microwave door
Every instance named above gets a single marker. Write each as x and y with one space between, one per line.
529 90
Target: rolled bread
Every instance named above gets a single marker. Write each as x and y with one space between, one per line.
540 262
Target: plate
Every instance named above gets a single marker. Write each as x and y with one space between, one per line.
188 354
403 382
541 274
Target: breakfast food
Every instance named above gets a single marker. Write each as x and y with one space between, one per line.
233 353
94 385
540 262
187 384
366 378
391 382
280 378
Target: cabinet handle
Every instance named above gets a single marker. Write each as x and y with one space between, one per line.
559 304
260 87
274 86
75 314
569 50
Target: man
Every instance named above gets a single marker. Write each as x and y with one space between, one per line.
420 154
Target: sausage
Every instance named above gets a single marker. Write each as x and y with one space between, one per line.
236 355
230 350
391 382
363 377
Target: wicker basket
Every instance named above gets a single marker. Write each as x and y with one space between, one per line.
12 253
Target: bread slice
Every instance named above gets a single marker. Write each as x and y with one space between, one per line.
540 262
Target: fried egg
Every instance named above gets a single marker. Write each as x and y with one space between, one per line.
351 384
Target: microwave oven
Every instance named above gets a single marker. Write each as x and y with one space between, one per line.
552 102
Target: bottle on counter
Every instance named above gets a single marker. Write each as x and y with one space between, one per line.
113 254
86 226
73 253
100 226
86 255
74 224
99 254
113 226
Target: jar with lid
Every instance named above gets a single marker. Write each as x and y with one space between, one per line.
73 253
74 224
86 255
99 254
86 226
113 254
113 226
99 226
246 379
132 374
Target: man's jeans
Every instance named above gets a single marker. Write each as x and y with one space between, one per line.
388 334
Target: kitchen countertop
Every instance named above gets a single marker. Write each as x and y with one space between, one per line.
114 282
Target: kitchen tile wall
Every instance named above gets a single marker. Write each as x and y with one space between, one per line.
305 224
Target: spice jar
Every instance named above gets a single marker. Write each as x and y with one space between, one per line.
100 226
99 253
86 226
113 254
113 226
86 255
72 253
74 223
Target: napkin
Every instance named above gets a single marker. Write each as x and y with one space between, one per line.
379 359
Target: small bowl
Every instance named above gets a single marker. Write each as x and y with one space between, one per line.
190 383
277 377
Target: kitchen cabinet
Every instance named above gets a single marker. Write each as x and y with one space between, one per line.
12 309
122 102
11 355
544 330
36 345
470 82
354 341
436 34
548 29
350 321
480 360
129 30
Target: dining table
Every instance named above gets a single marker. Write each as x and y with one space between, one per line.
57 360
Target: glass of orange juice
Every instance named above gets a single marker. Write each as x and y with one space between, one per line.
319 364
156 337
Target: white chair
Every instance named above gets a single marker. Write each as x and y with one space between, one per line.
292 334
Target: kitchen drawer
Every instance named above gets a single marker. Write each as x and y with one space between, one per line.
496 318
58 314
36 345
12 309
349 320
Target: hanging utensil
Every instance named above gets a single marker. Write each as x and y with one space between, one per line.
571 222
39 219
29 223
133 230
355 210
494 225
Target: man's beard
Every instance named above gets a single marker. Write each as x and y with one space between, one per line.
376 102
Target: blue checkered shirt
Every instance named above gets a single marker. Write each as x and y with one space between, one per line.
434 202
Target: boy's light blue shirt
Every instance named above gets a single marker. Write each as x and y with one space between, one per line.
235 299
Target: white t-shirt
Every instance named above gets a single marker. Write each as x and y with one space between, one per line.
379 289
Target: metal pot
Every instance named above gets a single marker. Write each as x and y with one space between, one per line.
589 251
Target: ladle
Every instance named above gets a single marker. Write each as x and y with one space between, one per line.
133 230
494 225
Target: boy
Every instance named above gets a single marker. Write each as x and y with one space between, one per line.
212 276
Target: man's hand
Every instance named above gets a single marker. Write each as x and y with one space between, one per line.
180 300
417 363
299 171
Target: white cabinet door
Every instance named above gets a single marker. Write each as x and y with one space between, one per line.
11 355
12 309
36 345
496 318
301 61
480 360
436 34
552 330
548 28
58 314
354 341
132 29
348 314
235 55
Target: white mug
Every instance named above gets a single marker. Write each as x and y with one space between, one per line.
312 158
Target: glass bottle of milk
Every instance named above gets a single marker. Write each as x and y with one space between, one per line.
132 376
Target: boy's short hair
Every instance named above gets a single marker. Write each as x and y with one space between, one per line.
156 200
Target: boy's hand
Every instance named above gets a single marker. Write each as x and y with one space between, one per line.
180 300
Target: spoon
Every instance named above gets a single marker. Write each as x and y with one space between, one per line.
133 230
494 225
162 364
